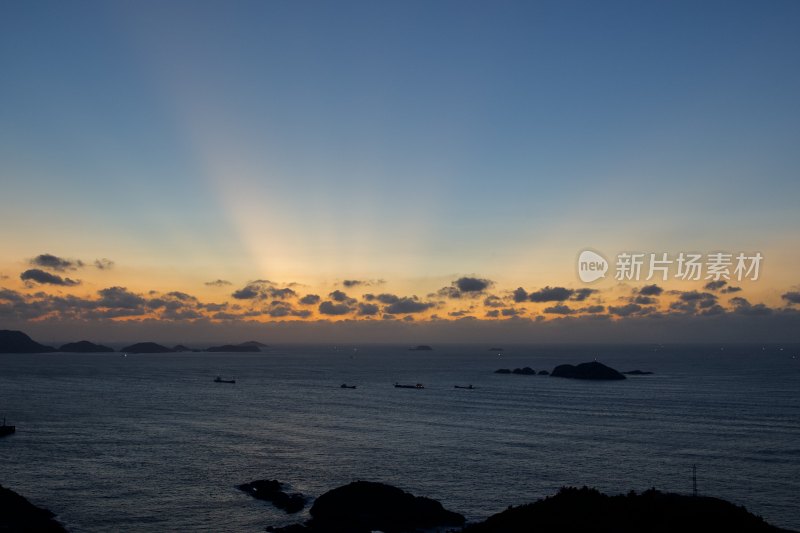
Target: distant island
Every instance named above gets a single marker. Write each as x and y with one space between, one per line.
146 347
84 347
12 341
420 348
590 371
243 347
18 342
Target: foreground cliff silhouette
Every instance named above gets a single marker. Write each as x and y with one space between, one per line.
18 514
365 506
589 510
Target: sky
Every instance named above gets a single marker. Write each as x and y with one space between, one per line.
193 170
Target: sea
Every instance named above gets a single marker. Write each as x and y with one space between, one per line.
149 442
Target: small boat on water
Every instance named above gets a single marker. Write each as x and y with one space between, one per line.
346 386
464 386
7 430
417 386
220 380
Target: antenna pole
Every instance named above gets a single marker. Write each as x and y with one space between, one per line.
694 480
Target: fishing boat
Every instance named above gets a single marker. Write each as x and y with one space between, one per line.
464 386
220 380
6 430
346 386
417 386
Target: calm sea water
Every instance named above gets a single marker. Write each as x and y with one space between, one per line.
149 443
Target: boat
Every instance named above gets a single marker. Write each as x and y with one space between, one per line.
417 386
220 380
7 430
464 386
346 386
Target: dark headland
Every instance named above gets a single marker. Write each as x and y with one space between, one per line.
17 342
84 347
19 515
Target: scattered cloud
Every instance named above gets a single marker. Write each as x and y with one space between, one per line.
36 275
362 282
339 296
493 301
625 310
365 309
329 308
52 262
310 299
520 295
650 290
559 309
408 305
792 297
262 290
120 298
103 264
715 285
551 294
580 295
218 283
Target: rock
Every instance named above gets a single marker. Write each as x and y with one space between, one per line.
18 514
271 490
234 348
420 348
544 373
365 506
17 342
584 510
146 347
593 370
527 371
84 347
637 373
503 371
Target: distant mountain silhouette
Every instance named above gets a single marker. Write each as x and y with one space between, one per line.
420 348
146 347
254 343
84 347
588 510
17 342
244 347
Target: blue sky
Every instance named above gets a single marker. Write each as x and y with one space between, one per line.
409 141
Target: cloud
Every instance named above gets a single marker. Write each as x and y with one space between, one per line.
365 309
339 296
493 313
715 285
559 309
35 275
593 309
625 310
120 298
581 294
510 311
310 299
520 295
730 289
56 263
550 294
261 290
103 264
644 300
363 282
408 305
692 301
744 307
384 298
792 297
493 301
467 284
218 283
329 308
651 290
